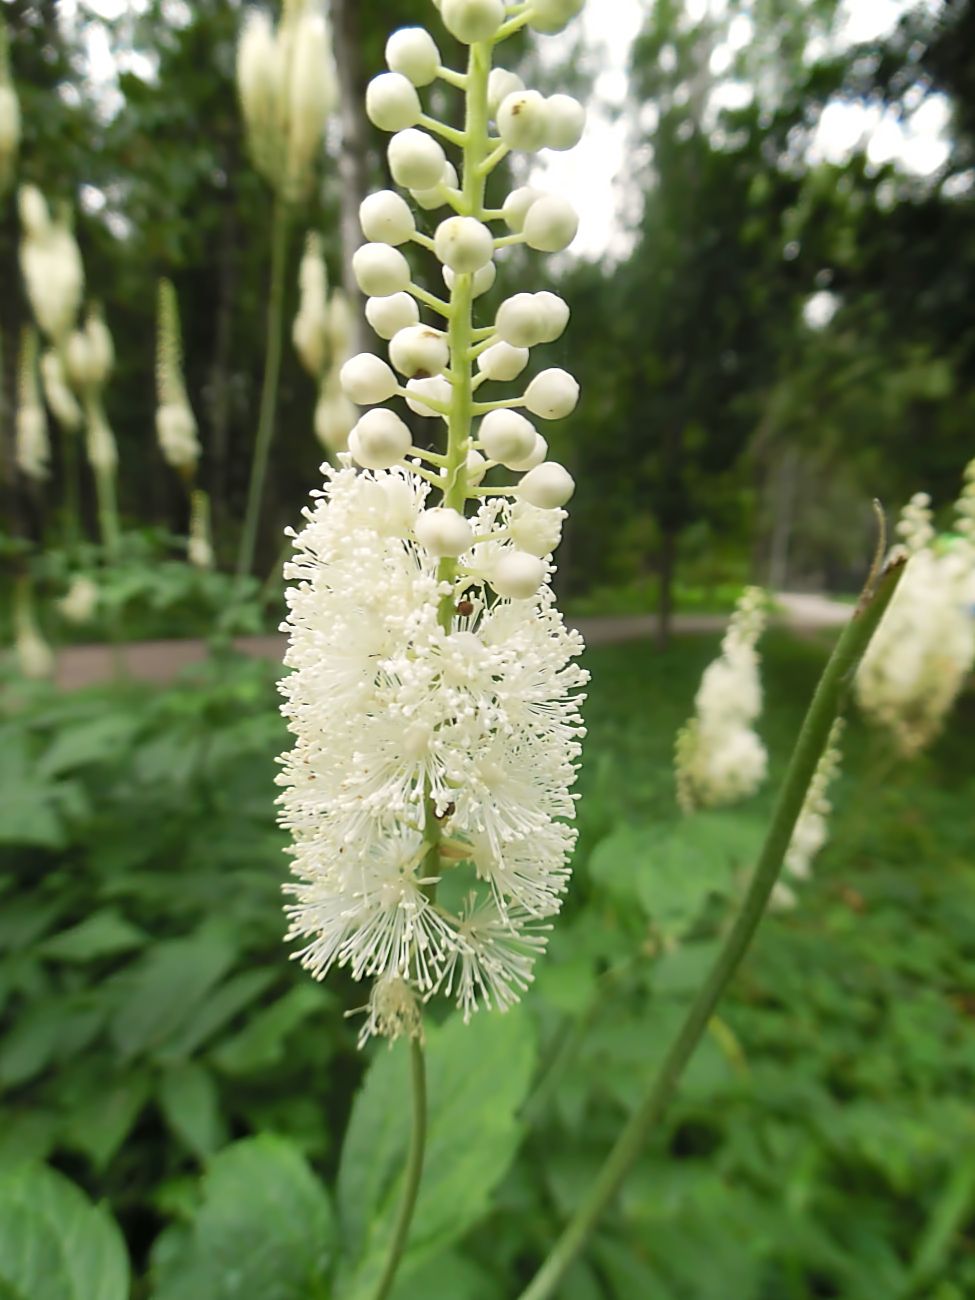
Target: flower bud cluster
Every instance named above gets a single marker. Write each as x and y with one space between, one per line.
200 548
51 265
321 334
924 648
89 358
35 658
433 699
812 829
287 90
9 116
720 759
32 445
80 603
176 427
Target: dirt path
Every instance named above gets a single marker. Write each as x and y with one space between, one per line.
161 661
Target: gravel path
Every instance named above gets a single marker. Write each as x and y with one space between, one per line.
161 661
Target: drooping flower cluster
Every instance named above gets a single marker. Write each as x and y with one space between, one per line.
321 334
433 696
90 359
720 757
51 265
9 116
287 90
32 446
812 829
925 646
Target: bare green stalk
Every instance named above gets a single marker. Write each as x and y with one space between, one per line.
280 226
414 1171
827 703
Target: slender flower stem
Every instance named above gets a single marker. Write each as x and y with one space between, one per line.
414 1170
269 392
826 704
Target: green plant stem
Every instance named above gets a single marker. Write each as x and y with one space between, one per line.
280 225
108 512
414 1170
70 467
827 702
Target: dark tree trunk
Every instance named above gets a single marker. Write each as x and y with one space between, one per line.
666 570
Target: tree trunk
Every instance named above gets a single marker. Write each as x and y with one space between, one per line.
666 570
353 159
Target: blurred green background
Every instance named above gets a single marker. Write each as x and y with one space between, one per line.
772 326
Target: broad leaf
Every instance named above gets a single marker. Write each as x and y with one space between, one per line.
103 934
54 1244
478 1076
264 1229
190 1104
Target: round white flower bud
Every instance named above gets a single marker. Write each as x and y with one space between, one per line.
521 320
463 244
555 315
476 467
386 218
507 437
516 206
367 379
419 350
548 486
483 279
80 361
551 224
380 440
413 52
523 120
551 16
416 160
388 316
380 270
517 576
472 20
392 103
534 457
552 395
566 122
435 388
436 197
502 83
443 531
502 362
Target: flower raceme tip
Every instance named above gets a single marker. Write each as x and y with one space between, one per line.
434 699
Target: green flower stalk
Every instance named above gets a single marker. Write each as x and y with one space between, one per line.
176 427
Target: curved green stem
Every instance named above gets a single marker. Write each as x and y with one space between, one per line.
826 704
414 1169
269 391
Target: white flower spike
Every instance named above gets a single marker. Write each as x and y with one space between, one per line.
433 698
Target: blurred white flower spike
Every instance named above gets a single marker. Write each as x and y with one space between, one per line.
924 649
434 699
720 757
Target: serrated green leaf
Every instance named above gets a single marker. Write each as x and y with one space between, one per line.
54 1244
98 1124
478 1076
260 1044
167 987
264 1229
103 934
220 1007
190 1104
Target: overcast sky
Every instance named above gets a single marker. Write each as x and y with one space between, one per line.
588 175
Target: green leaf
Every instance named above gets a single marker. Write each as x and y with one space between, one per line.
167 987
264 1229
100 1122
260 1044
29 815
54 1244
87 742
103 934
478 1076
190 1104
216 1011
31 1044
